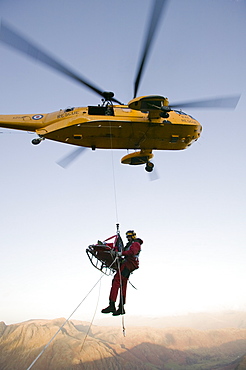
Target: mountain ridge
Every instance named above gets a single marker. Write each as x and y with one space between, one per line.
81 346
199 320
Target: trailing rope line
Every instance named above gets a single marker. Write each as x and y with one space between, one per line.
121 299
123 325
47 345
89 328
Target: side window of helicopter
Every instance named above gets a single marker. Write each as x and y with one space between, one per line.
101 110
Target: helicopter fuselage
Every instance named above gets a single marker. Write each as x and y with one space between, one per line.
118 128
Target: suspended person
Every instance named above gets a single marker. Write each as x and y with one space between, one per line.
129 263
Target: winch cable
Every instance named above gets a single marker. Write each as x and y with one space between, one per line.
114 186
54 336
113 173
117 224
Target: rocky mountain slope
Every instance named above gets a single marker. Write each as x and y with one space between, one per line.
77 346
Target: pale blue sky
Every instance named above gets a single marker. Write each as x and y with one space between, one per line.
192 220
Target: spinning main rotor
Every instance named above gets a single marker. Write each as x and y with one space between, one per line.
20 43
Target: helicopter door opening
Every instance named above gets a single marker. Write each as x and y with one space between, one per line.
100 110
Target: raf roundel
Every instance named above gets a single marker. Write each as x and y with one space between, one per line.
37 116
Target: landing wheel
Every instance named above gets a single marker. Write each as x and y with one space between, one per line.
149 167
36 141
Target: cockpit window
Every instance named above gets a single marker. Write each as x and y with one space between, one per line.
183 113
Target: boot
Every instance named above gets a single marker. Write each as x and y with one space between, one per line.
110 308
120 311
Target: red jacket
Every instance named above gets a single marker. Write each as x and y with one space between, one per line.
131 255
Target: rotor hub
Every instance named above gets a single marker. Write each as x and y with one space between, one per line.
108 95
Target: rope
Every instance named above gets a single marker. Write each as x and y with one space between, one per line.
114 185
121 299
116 214
89 328
113 173
123 325
47 345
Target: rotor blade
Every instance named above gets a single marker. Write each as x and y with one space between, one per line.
72 156
229 102
151 30
20 43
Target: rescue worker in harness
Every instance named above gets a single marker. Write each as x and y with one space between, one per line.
128 265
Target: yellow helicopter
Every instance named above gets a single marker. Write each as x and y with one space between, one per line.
145 124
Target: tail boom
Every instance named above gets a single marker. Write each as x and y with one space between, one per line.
25 122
